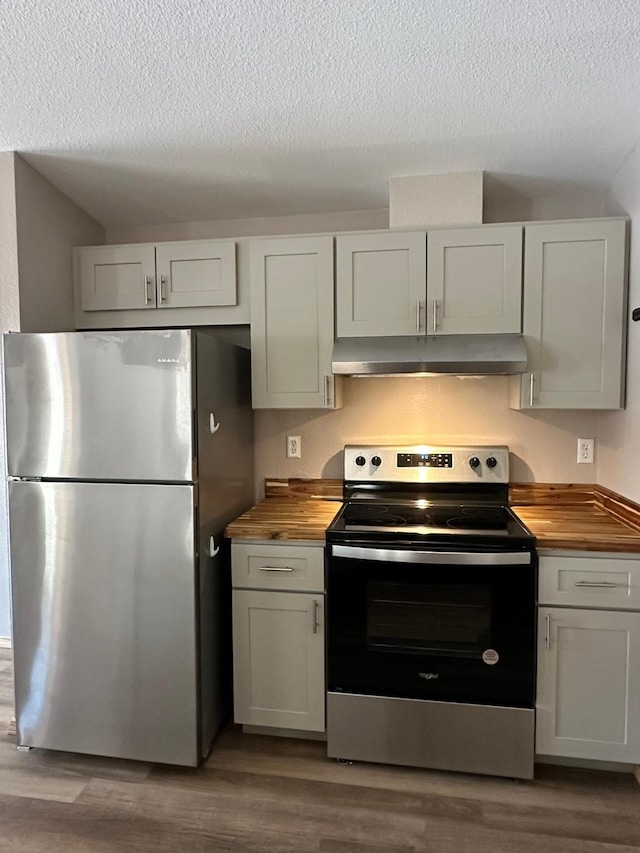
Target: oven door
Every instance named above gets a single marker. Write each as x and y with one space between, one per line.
449 625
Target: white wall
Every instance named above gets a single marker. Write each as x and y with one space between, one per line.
9 321
38 227
436 200
355 220
49 224
9 292
619 432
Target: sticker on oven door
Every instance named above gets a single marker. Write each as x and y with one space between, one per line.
490 657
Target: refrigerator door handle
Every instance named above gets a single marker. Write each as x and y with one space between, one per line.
212 546
213 426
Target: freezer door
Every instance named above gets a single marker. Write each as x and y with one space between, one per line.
104 619
100 405
225 430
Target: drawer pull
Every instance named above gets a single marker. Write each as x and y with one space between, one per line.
275 569
601 584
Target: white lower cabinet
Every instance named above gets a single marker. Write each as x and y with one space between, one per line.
278 642
588 692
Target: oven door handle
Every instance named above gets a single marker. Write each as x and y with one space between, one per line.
460 558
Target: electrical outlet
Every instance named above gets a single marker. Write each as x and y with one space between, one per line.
585 450
293 447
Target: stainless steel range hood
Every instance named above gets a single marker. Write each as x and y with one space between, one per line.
457 354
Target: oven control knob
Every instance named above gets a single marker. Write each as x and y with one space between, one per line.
474 462
492 462
375 460
360 461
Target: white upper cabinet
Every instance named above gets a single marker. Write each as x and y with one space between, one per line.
196 274
292 323
574 315
191 282
380 283
117 278
463 280
474 280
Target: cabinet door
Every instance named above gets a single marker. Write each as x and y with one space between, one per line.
292 323
588 697
117 278
574 297
278 659
474 280
194 274
381 280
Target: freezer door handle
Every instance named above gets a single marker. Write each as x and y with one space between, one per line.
212 546
213 426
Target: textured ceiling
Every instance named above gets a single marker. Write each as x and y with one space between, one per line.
175 110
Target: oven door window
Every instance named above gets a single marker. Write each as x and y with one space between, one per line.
447 619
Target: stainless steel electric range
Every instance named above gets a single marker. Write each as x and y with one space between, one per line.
431 605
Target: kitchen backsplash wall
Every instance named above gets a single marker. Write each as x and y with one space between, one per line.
432 410
618 465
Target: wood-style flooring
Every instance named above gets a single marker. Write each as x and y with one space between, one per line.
269 794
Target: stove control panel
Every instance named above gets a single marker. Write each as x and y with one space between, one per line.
424 460
426 463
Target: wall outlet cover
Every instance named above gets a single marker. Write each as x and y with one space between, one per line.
293 447
585 450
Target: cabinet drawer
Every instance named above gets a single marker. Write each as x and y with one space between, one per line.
290 567
609 582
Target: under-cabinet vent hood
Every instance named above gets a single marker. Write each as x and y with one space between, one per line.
457 354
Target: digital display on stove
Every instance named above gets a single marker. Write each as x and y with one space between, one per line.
425 460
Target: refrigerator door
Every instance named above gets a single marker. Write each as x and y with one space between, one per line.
104 593
100 405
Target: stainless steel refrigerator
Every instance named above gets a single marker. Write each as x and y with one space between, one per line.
127 453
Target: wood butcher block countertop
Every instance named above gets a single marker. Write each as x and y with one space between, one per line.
570 517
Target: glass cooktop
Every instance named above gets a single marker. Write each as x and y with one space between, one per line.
419 519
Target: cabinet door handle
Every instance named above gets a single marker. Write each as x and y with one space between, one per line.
314 611
547 634
531 383
327 393
418 309
163 291
147 282
435 315
601 584
275 569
